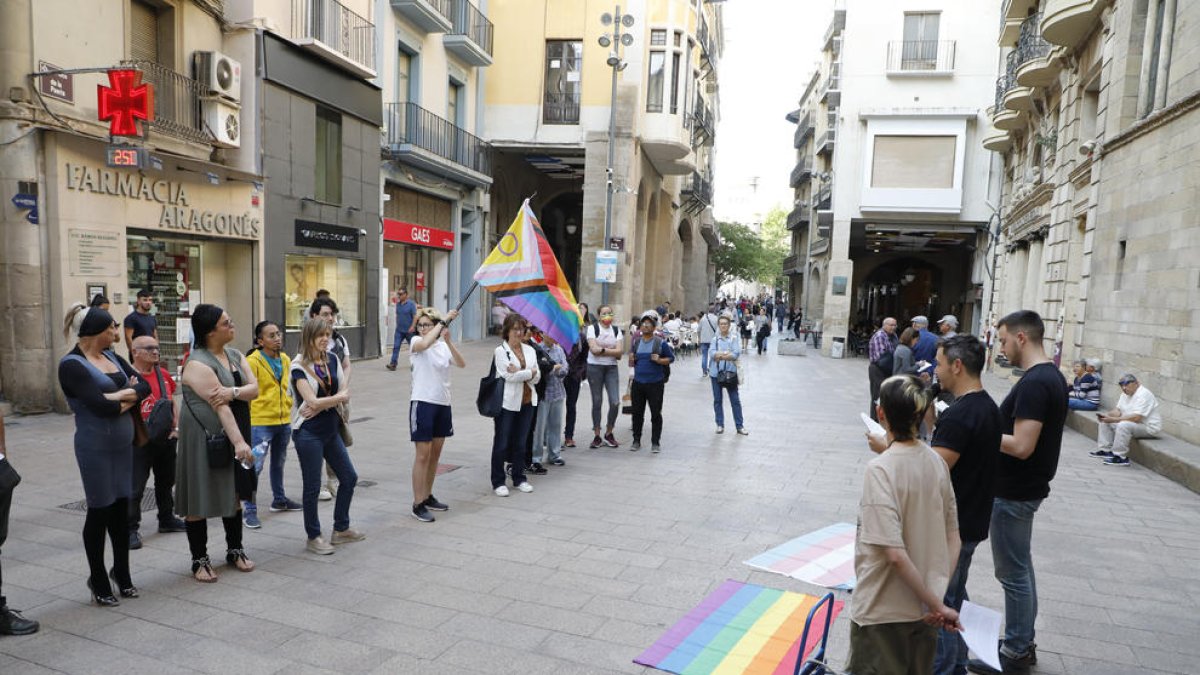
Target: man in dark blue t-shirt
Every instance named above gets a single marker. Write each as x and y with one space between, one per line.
925 348
406 322
649 357
967 436
1034 414
140 321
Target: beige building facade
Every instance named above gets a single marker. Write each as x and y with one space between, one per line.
1096 121
548 101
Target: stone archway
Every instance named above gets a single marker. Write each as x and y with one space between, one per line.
815 291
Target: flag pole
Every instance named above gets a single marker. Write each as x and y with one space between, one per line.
463 301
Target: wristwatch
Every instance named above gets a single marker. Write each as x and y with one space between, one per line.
235 392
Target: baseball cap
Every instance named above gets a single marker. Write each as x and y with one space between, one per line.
950 319
1127 378
649 314
921 319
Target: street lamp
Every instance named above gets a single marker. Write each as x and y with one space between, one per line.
614 40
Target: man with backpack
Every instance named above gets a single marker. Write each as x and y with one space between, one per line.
650 358
158 454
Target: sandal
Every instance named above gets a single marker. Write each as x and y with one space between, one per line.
237 558
569 443
203 565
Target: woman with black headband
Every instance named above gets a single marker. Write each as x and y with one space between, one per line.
101 389
218 386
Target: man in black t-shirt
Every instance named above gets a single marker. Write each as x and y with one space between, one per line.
967 436
140 321
1034 413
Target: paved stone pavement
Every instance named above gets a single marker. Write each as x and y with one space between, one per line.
587 571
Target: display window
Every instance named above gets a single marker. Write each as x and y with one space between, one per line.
171 270
342 277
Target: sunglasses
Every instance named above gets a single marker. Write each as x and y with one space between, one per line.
424 325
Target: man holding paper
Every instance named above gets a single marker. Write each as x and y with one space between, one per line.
967 437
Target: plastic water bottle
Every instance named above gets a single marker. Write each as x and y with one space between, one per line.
257 452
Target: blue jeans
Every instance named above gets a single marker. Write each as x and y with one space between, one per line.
1081 404
548 432
1011 534
951 658
315 450
401 336
279 435
704 357
719 405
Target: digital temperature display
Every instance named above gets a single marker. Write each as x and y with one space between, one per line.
123 156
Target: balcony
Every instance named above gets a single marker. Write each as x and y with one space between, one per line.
825 198
997 140
708 54
801 173
831 93
329 29
560 108
798 217
793 265
825 145
920 58
1035 65
470 39
836 26
431 16
803 131
704 131
418 137
1068 22
696 193
667 144
177 102
1014 96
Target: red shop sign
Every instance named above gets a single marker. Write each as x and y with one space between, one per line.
411 233
420 281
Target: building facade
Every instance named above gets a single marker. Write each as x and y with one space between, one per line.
891 186
435 171
550 135
1095 119
177 209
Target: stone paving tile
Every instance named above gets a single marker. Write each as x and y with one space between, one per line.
583 574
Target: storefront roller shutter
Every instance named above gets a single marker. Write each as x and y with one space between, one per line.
415 207
143 32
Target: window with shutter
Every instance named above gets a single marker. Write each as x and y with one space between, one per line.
143 32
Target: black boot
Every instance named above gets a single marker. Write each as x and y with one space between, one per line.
12 623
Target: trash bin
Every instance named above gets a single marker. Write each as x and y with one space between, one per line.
837 348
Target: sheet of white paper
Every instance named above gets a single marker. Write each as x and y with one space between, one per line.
981 630
874 428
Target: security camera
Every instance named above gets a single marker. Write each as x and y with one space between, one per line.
1087 147
362 232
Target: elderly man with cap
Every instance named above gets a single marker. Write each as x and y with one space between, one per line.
926 347
1136 416
948 326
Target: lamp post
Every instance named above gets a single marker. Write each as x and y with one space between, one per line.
616 39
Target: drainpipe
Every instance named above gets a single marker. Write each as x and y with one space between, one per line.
1164 54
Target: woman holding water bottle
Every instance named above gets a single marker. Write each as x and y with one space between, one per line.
318 387
218 386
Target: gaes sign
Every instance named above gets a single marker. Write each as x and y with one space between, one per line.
420 235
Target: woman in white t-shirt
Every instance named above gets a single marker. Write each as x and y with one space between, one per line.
429 421
604 348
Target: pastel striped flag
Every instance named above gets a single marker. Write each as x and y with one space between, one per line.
740 628
524 274
824 558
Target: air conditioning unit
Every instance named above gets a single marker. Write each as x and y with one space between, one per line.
221 75
223 121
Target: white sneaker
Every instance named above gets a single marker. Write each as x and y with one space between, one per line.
502 491
525 487
319 546
324 495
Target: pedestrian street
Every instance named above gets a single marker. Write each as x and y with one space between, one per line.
592 567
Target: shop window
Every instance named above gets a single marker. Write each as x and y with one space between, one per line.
329 156
342 277
171 271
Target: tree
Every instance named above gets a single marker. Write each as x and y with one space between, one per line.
749 255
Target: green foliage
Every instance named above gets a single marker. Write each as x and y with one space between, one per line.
751 256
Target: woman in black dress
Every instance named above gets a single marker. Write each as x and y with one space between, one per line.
102 389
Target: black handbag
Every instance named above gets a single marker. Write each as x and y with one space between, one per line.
490 400
9 478
727 379
217 446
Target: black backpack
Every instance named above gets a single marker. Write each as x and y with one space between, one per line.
657 349
161 420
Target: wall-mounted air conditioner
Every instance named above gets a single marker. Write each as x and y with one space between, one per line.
221 75
222 119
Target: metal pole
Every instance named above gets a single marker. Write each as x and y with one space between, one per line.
612 136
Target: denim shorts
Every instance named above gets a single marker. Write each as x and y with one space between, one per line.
427 421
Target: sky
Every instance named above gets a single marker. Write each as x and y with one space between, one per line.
771 49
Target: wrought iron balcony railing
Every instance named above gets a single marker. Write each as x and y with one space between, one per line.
1031 45
410 124
803 130
921 55
560 108
471 22
697 193
337 27
825 198
1007 79
177 98
801 172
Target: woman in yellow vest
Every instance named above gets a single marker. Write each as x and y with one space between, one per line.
270 414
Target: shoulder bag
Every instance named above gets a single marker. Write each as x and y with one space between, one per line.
727 378
490 400
217 446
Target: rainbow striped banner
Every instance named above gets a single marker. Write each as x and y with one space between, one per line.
739 628
824 558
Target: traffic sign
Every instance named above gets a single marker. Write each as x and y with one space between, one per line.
24 201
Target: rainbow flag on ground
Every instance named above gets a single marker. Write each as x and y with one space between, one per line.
824 557
523 272
739 628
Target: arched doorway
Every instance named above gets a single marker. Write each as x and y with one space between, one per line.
562 221
816 296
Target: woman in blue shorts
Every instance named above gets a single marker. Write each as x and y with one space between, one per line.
431 352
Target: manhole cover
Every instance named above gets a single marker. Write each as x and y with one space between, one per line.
148 503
